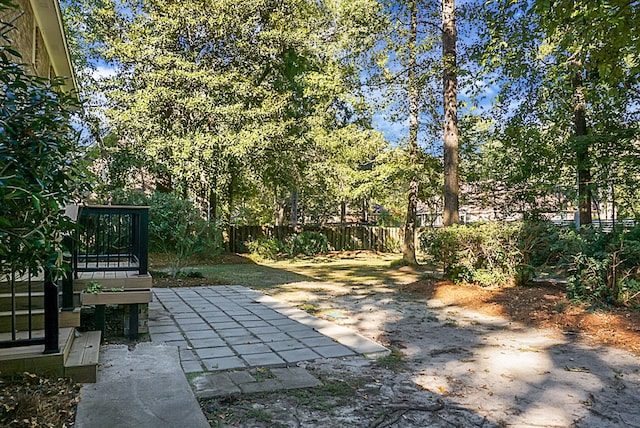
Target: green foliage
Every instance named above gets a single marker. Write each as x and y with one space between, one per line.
235 103
265 247
604 267
486 253
177 229
94 287
307 243
39 172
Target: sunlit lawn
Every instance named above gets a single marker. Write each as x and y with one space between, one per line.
372 269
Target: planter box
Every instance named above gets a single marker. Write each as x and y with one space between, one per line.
126 297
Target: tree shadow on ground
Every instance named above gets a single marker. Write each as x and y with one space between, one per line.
513 373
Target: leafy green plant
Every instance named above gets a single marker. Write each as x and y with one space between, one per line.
486 254
39 162
604 267
94 287
307 243
265 247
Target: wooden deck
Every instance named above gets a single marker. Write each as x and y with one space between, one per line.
113 279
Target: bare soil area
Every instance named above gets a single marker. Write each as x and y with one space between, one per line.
462 356
543 305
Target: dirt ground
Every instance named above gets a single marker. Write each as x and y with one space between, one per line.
462 356
541 305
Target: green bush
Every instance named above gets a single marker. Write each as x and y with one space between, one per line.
484 253
40 168
307 243
177 229
604 267
265 247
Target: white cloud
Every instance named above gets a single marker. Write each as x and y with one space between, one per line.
103 72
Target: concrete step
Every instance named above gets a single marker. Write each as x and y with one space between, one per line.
81 364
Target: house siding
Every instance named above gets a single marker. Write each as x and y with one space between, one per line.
27 39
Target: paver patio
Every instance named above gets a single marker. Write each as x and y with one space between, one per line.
233 327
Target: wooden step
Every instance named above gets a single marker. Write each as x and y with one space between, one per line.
22 286
31 358
65 319
70 318
22 320
81 364
22 301
113 280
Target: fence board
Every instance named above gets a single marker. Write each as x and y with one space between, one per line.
341 238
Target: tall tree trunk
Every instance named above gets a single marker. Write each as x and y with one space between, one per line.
278 208
450 214
582 149
294 208
409 247
365 211
343 212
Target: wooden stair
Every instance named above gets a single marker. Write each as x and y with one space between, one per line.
77 359
81 364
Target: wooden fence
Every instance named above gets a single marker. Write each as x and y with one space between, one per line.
341 238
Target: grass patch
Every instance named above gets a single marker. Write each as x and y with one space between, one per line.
375 269
259 415
394 361
262 373
310 308
325 397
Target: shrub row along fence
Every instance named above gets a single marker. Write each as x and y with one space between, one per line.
341 238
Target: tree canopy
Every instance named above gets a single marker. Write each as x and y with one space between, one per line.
265 111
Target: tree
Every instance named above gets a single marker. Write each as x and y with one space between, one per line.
567 69
224 100
39 168
450 105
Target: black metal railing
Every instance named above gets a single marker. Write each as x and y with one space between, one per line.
112 238
30 310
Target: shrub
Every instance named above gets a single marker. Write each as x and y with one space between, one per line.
265 247
604 267
177 229
39 162
307 243
486 253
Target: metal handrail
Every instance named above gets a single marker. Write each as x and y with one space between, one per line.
112 238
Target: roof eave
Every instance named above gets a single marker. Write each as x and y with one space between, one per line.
49 18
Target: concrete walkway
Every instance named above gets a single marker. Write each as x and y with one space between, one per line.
229 338
233 327
141 388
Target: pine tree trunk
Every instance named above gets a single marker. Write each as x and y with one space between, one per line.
450 214
408 249
294 208
582 150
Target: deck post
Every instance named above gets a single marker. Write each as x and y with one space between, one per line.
51 345
144 242
133 321
67 279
